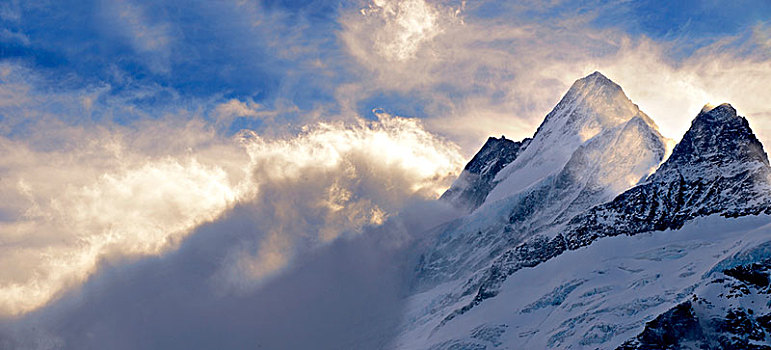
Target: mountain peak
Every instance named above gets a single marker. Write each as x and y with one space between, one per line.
592 106
595 83
719 143
596 74
596 77
725 107
721 113
594 100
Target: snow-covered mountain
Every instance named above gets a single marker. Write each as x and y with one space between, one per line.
577 244
596 156
592 105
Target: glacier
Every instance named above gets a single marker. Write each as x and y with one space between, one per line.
598 296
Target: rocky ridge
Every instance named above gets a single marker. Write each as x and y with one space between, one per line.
719 167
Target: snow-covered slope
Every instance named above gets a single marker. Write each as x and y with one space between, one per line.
728 310
601 296
549 266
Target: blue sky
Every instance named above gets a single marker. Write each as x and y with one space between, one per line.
290 52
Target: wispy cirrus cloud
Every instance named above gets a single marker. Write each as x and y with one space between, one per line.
151 40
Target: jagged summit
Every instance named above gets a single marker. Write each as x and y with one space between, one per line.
598 98
593 82
718 143
719 167
723 109
591 102
597 75
595 78
491 150
582 156
729 132
709 107
593 105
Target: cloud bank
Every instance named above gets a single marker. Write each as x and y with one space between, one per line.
192 239
85 193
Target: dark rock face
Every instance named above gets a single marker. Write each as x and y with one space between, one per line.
718 168
717 137
702 324
477 179
679 324
494 155
755 274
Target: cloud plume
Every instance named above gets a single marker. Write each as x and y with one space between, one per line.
88 194
147 233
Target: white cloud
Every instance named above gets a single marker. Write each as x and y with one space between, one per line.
235 107
59 239
404 26
11 36
482 76
76 194
226 112
331 180
10 10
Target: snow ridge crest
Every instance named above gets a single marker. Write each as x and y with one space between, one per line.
593 106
